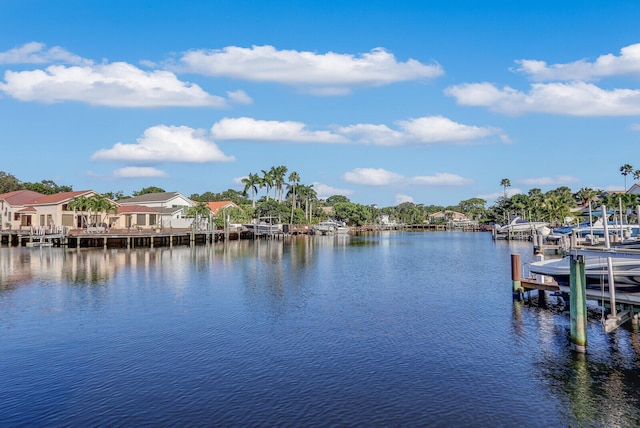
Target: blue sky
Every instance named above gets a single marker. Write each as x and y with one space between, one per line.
431 102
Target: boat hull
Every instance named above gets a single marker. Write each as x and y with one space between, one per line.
626 272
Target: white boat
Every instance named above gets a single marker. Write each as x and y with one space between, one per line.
517 224
264 225
626 271
330 227
594 230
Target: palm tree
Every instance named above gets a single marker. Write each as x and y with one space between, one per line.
278 173
102 204
198 212
505 182
556 207
294 179
636 174
537 202
625 170
267 180
586 195
308 195
93 205
252 182
81 204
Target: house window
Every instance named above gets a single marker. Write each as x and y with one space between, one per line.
50 220
141 219
152 220
67 220
42 220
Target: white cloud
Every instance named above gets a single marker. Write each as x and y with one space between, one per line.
239 97
372 177
627 63
574 99
382 177
441 179
116 84
400 198
246 128
423 130
370 134
166 144
139 172
35 53
549 181
326 74
323 191
438 129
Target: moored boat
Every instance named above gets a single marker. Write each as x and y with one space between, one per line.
264 225
626 271
330 227
517 224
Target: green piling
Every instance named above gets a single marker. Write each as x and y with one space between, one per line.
578 304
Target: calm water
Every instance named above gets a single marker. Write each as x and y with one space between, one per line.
396 329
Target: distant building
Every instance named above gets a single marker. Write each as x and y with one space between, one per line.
217 206
10 206
445 216
171 206
26 209
453 218
635 189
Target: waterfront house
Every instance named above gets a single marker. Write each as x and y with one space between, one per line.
635 189
172 208
12 209
52 210
137 217
217 206
447 216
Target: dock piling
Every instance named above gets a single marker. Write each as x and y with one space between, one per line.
578 304
516 274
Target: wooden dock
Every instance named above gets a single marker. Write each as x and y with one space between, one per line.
125 238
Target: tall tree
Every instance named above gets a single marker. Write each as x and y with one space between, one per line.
200 214
91 206
46 187
473 207
252 182
586 195
625 170
537 202
505 182
80 204
294 179
308 195
8 182
267 180
150 189
278 173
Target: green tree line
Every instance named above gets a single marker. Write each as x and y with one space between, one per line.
276 192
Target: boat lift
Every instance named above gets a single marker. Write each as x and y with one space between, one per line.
578 291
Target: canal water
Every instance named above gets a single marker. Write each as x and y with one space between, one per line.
392 329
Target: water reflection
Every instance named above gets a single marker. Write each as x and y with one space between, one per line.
597 388
378 330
